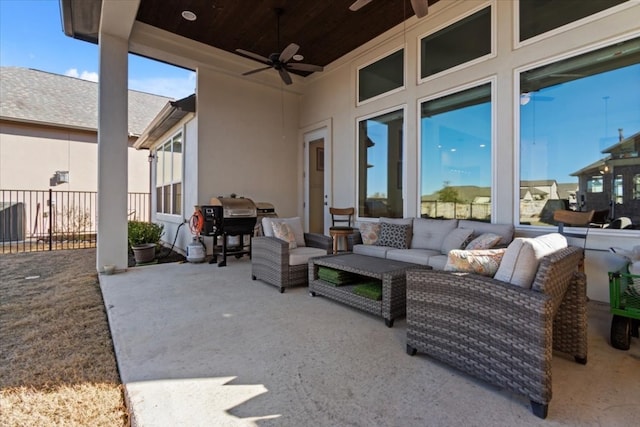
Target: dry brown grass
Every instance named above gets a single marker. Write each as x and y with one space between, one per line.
57 365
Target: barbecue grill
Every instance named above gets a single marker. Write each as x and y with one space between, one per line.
230 216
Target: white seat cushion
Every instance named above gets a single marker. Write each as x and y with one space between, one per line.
371 250
430 233
416 256
519 264
301 255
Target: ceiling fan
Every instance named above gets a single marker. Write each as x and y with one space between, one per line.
420 7
280 61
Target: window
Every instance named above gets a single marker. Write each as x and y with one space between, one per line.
618 189
455 160
169 176
594 184
381 165
636 187
381 77
461 42
537 17
580 129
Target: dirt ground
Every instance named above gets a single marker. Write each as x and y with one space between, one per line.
57 365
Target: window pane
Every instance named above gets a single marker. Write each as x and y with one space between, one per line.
166 169
177 199
460 42
176 175
166 199
636 187
455 166
381 76
579 130
537 17
381 166
159 199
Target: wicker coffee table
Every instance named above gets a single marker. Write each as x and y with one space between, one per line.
391 273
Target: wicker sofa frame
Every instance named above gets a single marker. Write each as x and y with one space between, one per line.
270 260
500 333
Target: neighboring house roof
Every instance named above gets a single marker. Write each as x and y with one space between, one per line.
538 183
34 96
566 190
532 191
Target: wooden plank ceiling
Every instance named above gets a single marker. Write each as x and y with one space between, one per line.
325 30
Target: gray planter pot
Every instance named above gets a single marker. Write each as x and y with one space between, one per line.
144 253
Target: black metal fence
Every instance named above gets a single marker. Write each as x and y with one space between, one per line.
45 220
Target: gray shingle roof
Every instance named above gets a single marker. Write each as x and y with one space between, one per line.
38 96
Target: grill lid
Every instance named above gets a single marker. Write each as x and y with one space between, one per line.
235 207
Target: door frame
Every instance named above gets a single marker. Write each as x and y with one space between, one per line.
321 130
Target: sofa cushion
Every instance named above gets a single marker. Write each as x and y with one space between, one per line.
371 250
369 231
456 239
430 233
416 256
484 241
520 262
294 223
401 221
394 235
480 227
301 255
437 262
484 261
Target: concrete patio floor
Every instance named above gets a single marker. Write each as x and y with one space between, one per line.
199 345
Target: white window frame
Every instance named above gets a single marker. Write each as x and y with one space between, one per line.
491 54
517 44
403 47
405 203
493 80
163 216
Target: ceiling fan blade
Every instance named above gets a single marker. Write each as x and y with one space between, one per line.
286 78
288 52
256 71
358 4
254 56
420 7
304 67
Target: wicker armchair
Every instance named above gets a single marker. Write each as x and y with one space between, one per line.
273 262
498 332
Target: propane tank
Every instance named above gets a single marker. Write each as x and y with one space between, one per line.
195 250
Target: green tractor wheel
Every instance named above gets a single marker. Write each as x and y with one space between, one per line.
621 332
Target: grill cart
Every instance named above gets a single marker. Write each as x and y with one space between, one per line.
624 295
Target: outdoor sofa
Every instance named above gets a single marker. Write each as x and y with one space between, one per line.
426 241
503 329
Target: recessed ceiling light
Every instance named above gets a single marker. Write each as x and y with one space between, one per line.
188 15
298 57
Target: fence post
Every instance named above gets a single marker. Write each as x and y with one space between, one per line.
50 220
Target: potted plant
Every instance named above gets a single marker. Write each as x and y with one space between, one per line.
144 238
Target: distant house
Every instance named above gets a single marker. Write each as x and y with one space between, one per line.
49 127
539 189
613 182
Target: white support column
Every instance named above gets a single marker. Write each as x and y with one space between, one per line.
112 152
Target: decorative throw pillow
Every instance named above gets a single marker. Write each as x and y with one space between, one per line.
282 231
370 231
394 235
483 261
520 263
456 239
484 241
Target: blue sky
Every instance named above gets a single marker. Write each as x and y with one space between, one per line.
31 36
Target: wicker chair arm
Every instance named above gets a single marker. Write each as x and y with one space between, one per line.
320 241
482 298
354 239
270 247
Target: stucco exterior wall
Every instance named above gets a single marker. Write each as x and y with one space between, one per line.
31 154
